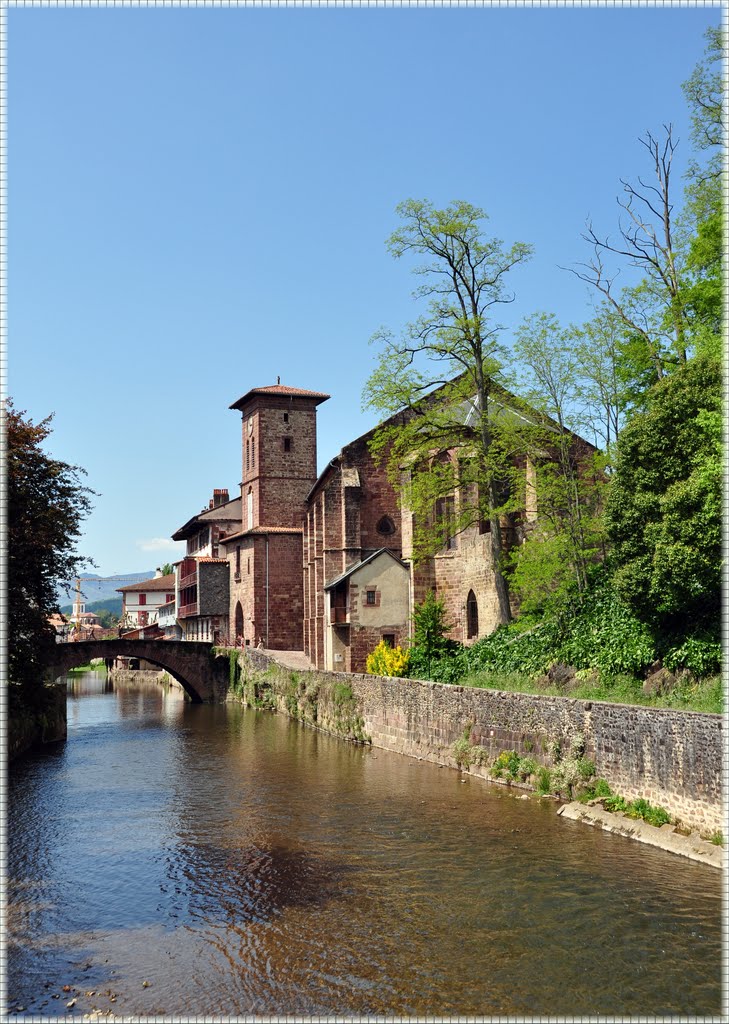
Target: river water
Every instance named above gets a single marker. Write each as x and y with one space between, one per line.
185 860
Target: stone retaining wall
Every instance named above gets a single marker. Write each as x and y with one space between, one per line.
671 758
140 677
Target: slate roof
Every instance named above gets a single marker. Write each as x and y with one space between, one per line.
353 568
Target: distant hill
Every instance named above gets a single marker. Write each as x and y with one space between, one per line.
109 604
100 588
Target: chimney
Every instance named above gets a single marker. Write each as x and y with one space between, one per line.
157 573
220 496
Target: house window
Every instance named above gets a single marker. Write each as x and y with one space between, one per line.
249 566
287 444
143 617
169 597
371 597
471 615
250 508
286 417
389 639
237 560
142 599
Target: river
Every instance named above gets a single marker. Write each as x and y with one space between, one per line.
181 860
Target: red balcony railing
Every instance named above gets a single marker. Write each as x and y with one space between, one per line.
189 581
186 610
340 615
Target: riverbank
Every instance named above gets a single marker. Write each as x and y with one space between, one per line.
668 757
693 845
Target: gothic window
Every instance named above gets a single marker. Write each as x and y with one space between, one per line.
471 615
445 514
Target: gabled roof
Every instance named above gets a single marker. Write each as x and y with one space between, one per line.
156 583
365 561
282 390
228 510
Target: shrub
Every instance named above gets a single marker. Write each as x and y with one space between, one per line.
701 655
388 661
527 766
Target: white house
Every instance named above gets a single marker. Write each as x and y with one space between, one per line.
142 601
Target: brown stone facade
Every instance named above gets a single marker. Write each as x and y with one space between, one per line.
352 512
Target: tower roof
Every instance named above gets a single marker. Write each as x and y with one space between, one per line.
280 391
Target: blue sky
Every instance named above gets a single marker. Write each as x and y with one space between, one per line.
199 200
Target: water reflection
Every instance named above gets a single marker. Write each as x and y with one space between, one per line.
243 865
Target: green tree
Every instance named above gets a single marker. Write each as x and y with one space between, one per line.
430 629
664 510
441 375
46 505
167 569
552 565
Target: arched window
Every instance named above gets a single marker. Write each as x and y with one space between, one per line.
471 615
238 620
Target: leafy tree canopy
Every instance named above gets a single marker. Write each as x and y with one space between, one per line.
441 371
664 508
46 505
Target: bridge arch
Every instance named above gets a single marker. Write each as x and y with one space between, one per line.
202 675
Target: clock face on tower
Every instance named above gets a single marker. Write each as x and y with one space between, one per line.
250 425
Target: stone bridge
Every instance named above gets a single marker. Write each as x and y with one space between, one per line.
202 674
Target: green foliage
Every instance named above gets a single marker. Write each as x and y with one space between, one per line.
46 505
641 808
234 673
544 781
508 763
664 509
605 635
454 340
520 647
429 635
701 655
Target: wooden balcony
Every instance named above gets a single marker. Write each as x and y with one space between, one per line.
185 611
340 617
189 581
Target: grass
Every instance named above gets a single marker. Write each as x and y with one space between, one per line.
705 695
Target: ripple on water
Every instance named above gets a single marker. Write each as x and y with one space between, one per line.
244 866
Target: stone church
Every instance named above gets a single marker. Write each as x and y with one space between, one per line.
323 563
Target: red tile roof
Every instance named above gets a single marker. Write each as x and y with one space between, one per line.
156 583
282 390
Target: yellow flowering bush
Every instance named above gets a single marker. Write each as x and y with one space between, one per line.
388 661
